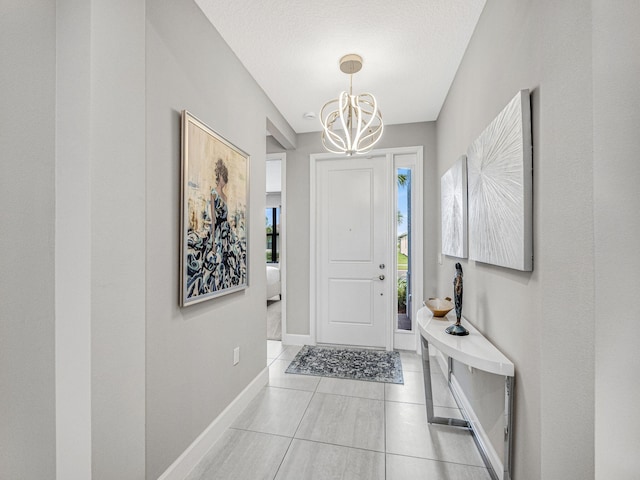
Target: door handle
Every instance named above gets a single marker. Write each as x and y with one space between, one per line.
381 277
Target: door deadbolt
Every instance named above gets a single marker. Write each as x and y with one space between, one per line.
382 266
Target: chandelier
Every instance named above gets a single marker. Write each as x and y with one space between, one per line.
351 124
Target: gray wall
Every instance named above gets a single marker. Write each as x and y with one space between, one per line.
100 239
504 56
584 110
27 152
73 240
616 117
298 172
117 238
190 374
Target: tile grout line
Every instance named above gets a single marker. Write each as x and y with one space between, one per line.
315 392
340 445
296 431
384 427
483 467
386 403
351 396
258 432
283 457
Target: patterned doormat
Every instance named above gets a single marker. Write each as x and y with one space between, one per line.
345 362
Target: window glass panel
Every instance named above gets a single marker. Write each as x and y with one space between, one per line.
272 226
403 248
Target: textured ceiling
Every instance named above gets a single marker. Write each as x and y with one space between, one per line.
411 51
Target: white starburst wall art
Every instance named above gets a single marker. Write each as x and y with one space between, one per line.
453 203
500 181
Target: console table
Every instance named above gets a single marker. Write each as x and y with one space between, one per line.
476 351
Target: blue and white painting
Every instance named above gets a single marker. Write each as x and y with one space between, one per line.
215 199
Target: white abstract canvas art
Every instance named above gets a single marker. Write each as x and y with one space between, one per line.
453 203
500 179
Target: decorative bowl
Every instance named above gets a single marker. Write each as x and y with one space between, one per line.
438 306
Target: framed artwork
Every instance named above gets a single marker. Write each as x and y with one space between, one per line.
500 181
453 203
214 214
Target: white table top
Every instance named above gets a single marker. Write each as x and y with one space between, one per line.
473 349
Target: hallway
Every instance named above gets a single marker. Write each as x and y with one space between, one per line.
303 427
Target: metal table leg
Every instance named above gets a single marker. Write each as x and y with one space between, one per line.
455 422
428 392
508 426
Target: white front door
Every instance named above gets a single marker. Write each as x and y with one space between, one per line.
353 202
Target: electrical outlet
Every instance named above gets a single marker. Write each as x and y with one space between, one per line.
236 355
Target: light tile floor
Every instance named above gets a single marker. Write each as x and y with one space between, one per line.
311 428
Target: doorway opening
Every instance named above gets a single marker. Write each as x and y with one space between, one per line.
275 246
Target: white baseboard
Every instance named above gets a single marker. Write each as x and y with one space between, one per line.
405 341
491 453
186 462
441 359
293 339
